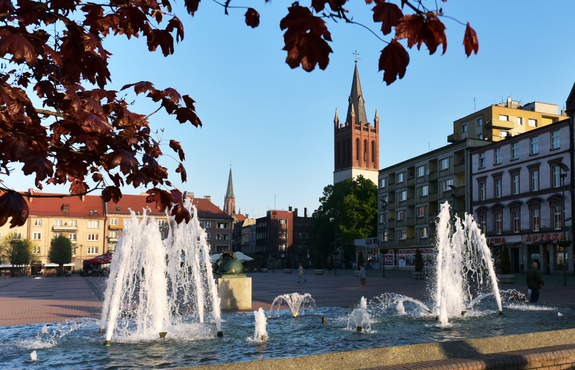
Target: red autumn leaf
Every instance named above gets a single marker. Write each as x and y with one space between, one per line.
393 60
388 14
176 24
38 164
305 39
179 212
97 177
17 45
172 95
319 5
177 147
15 147
137 178
181 170
192 6
13 205
126 160
162 199
78 187
470 40
140 87
111 193
418 29
163 39
252 18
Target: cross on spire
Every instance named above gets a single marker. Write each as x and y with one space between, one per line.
356 56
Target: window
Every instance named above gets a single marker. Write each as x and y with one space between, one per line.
556 176
17 235
520 121
499 223
447 184
113 234
535 219
497 187
423 232
227 236
515 151
402 195
424 190
37 222
207 224
557 217
482 224
479 122
420 171
480 136
403 234
463 127
113 221
534 145
482 190
208 236
36 236
503 117
532 122
381 218
92 250
56 235
93 224
516 221
444 164
555 141
497 156
400 177
420 211
399 215
515 184
57 222
72 236
73 223
93 237
534 180
93 212
481 160
36 249
381 183
283 221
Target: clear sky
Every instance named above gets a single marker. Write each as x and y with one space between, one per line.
274 125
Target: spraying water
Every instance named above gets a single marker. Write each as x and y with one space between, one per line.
464 266
153 281
359 318
295 301
260 332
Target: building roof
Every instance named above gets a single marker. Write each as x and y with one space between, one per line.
570 103
356 101
136 203
207 209
230 190
62 205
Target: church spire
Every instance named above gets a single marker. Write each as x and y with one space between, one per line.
356 102
230 199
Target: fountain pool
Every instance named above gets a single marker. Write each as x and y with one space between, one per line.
77 344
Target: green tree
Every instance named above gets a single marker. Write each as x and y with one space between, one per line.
60 252
505 261
350 206
288 262
418 260
16 251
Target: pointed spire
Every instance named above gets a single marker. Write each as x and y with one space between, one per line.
336 118
356 102
230 191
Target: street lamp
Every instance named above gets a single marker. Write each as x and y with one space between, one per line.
384 239
563 175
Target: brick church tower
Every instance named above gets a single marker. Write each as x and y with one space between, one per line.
356 142
230 199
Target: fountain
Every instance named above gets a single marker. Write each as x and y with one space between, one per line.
183 304
153 281
295 301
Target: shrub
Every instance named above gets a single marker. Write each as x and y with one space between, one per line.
288 262
505 262
418 260
318 261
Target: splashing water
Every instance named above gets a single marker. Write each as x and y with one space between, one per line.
464 266
360 318
153 281
295 301
33 356
260 332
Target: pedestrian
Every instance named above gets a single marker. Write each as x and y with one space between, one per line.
329 267
301 274
534 282
362 278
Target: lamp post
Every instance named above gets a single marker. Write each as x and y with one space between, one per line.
335 216
384 239
563 175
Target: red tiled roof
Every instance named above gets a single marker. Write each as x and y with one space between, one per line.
76 206
240 217
207 209
136 203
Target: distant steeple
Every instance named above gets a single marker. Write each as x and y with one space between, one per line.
230 199
356 102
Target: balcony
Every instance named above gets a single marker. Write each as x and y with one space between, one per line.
496 123
459 168
115 227
64 228
112 239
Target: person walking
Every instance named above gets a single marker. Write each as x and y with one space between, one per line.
534 282
301 274
362 278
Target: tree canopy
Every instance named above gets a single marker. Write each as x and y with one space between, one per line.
60 251
349 205
60 120
15 250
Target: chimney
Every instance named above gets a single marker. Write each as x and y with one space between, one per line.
208 197
305 212
295 212
290 209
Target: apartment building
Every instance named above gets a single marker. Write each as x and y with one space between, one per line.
521 196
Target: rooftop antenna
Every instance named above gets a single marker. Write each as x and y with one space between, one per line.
474 106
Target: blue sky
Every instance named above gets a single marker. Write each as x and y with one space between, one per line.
274 125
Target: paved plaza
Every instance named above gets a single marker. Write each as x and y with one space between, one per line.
44 299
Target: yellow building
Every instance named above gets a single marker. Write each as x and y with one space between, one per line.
499 121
